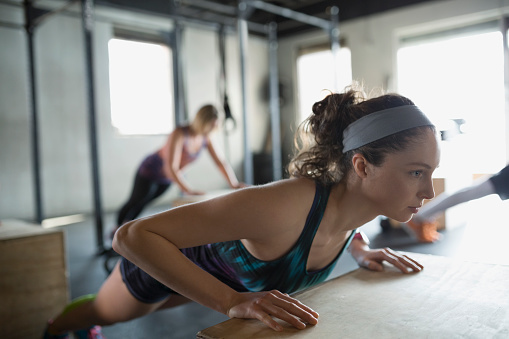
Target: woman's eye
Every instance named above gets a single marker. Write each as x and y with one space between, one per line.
416 173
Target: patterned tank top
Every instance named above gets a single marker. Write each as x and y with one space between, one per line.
152 166
188 156
231 263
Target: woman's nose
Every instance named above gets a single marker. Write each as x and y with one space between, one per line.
428 191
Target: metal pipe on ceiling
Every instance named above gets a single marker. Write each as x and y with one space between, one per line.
214 6
291 14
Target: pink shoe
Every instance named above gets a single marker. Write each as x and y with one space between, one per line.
93 332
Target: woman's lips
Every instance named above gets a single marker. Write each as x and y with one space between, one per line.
414 210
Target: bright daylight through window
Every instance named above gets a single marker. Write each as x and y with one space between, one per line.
141 89
460 77
316 77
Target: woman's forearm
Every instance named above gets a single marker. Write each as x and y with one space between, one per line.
358 247
229 174
224 167
176 177
180 181
163 260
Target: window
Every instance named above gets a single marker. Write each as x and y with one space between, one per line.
460 76
141 87
316 78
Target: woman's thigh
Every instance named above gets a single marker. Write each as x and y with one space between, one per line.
114 303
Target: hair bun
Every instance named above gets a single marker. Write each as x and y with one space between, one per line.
344 100
320 106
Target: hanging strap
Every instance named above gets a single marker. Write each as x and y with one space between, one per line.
226 106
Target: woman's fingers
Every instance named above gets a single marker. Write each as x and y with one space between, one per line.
413 262
372 265
300 305
268 320
266 306
373 261
402 262
270 310
288 309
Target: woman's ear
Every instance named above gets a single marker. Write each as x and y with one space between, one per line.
359 164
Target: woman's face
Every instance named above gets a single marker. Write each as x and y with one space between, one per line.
399 186
210 126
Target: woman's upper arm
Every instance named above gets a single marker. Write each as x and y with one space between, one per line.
212 151
250 213
175 145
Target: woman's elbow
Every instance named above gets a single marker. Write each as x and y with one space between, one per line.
122 237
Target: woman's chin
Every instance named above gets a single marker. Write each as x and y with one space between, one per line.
401 218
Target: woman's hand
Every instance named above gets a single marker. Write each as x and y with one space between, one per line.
266 305
240 185
373 259
193 192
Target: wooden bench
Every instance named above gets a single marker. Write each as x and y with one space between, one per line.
448 299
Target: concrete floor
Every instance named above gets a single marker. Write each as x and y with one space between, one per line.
481 237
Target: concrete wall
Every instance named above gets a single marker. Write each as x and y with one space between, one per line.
63 116
65 156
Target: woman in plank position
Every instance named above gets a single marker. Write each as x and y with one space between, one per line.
159 170
243 253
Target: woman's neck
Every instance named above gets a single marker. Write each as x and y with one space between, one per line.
193 131
351 209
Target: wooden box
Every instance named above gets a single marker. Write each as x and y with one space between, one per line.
33 278
450 298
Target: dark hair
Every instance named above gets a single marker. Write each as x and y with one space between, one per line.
319 139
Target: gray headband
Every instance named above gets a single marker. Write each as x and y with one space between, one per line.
381 124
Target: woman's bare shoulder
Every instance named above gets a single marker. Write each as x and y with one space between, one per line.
281 199
179 132
260 213
278 200
290 188
176 137
281 207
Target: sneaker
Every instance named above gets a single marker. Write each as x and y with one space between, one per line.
424 231
90 333
48 335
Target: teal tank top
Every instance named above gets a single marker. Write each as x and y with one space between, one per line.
231 263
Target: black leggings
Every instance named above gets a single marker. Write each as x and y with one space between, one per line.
144 191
